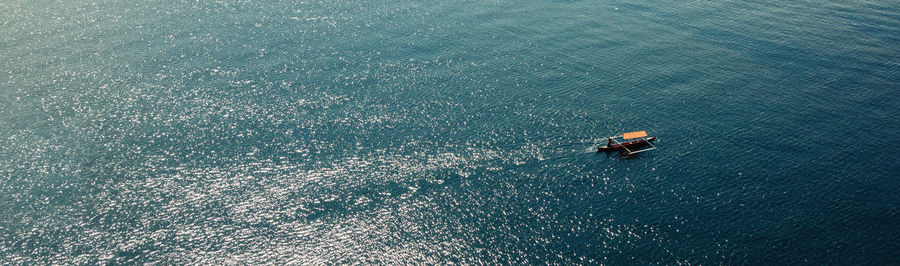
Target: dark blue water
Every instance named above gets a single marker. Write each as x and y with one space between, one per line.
431 132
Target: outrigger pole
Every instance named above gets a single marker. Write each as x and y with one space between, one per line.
643 150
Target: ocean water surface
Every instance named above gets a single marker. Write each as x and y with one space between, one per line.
435 132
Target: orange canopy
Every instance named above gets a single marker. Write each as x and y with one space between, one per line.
633 135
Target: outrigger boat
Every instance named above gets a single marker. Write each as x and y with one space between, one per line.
636 146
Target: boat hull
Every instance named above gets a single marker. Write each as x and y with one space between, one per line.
628 144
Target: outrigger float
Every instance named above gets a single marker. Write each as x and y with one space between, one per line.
638 145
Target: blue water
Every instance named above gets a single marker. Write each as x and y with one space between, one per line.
431 132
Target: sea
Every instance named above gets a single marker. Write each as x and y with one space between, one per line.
398 132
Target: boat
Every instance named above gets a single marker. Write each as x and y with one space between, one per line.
640 143
628 144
